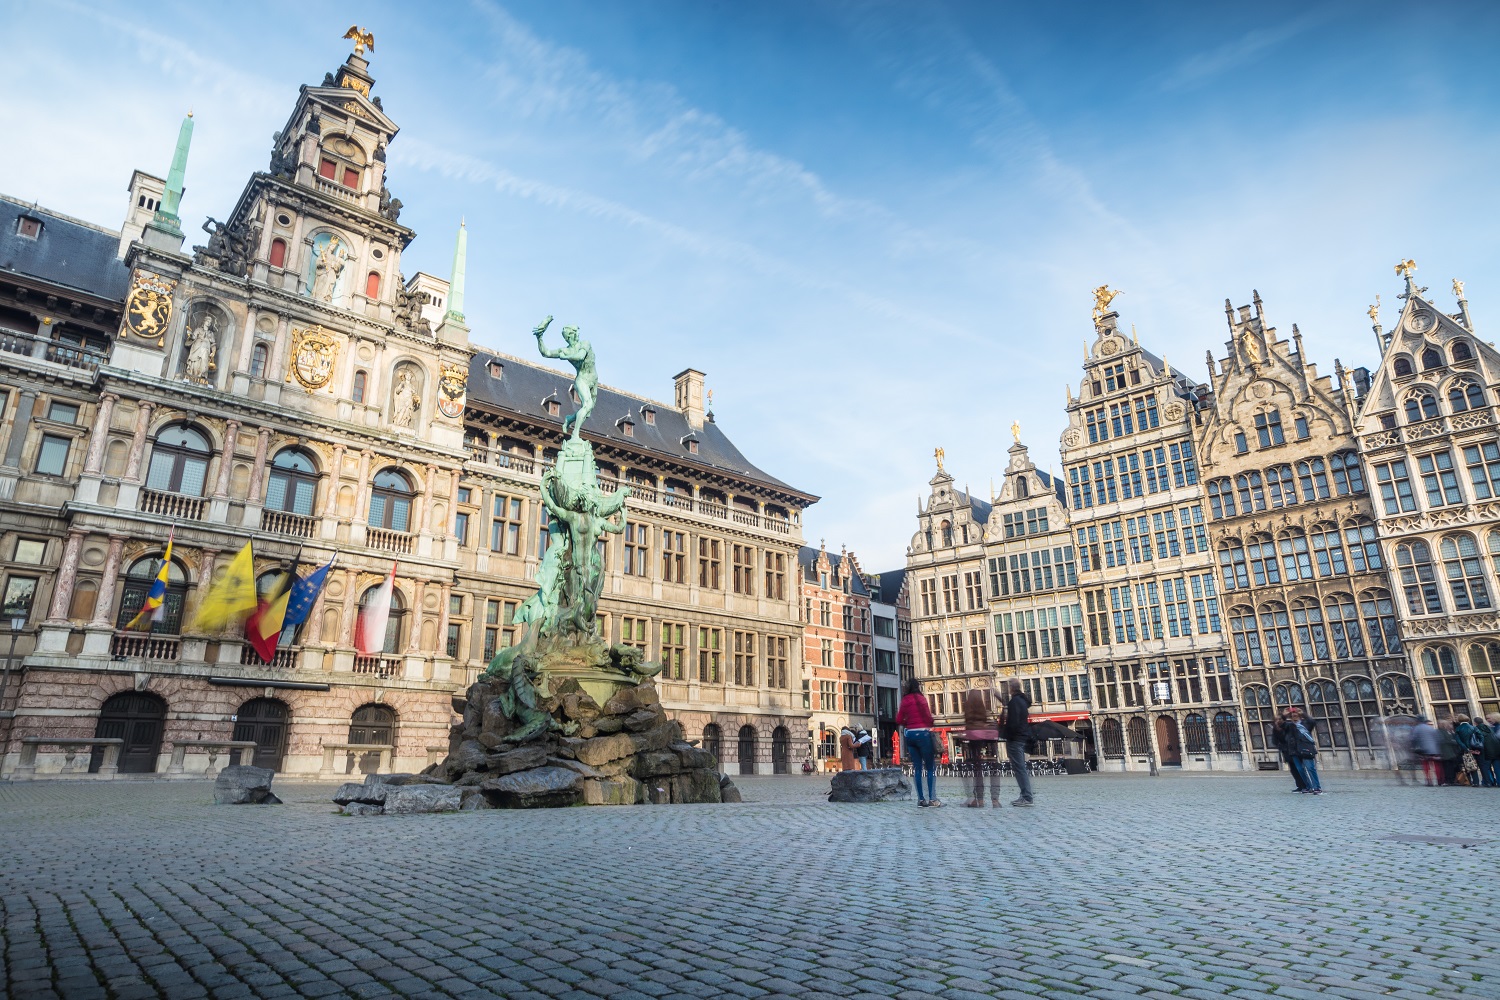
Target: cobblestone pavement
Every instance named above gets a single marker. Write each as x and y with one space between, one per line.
1113 886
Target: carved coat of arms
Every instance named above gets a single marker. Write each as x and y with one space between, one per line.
148 307
452 384
314 351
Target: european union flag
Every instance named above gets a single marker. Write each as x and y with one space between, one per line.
304 593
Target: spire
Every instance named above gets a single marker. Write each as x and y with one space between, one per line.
166 218
456 285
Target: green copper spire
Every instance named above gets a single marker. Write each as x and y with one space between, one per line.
455 311
166 213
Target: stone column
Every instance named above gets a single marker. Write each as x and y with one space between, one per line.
351 605
447 529
258 471
362 491
107 584
231 432
67 575
25 404
414 643
138 442
247 341
445 593
99 437
277 370
335 477
424 503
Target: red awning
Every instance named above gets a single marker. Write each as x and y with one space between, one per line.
1059 717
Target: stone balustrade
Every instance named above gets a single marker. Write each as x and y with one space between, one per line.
26 767
330 750
173 506
213 748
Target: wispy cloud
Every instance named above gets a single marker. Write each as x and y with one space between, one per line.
1243 51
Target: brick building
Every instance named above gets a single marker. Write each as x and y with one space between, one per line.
838 646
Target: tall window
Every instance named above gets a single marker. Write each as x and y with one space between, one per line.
1445 687
1307 616
138 580
709 563
637 545
1281 486
1418 578
1263 567
1379 613
390 501
1484 662
1252 491
1246 639
1278 634
744 659
1328 550
1438 479
1343 627
1465 573
1364 548
179 461
673 650
393 624
260 356
1465 396
52 456
743 560
1323 706
1260 716
1226 732
1312 475
1268 428
1483 461
1421 405
1296 563
357 391
372 285
776 657
635 632
1364 712
1395 487
278 252
775 564
673 556
505 525
293 483
710 654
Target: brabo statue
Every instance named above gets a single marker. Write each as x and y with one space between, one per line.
580 354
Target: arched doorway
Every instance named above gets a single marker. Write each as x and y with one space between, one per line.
713 740
747 748
781 751
1167 741
373 725
137 718
263 720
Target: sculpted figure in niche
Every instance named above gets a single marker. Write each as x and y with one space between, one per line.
404 401
331 260
202 347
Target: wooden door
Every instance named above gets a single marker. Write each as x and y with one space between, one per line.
1168 744
263 720
137 718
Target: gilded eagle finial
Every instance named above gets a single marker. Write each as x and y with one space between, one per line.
362 39
1406 267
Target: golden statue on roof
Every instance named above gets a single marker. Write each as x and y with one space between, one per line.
1406 267
1015 430
363 39
1103 296
1374 311
937 453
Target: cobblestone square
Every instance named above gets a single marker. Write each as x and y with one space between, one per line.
1193 886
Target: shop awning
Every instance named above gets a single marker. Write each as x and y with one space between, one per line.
1059 717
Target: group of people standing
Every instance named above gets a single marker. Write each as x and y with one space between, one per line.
856 750
983 732
1454 751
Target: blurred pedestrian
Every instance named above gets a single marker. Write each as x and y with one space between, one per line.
1304 747
1282 738
1425 741
982 746
1471 741
1489 754
1016 725
846 750
914 719
864 749
1450 752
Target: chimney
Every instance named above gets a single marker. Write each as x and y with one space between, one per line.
689 398
145 195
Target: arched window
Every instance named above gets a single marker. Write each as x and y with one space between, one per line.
1445 688
390 501
372 725
1464 396
1139 736
1021 493
1313 475
748 741
1418 578
393 624
1328 550
179 461
1289 695
1296 563
1280 486
357 391
1195 733
278 252
1421 405
1396 695
1484 663
1251 490
1263 568
1260 716
293 484
1364 547
138 580
1247 652
1312 636
1364 712
372 285
1221 498
1462 351
1343 626
1403 366
1111 740
947 528
260 356
1465 573
1232 565
1277 629
1431 358
713 739
1379 613
1227 732
1323 705
1348 477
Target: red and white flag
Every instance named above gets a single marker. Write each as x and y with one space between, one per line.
369 633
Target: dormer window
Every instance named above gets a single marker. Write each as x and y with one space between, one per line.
626 426
691 444
28 227
649 414
1431 359
1403 366
554 408
496 370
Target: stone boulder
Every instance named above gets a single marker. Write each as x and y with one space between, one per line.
514 758
470 756
403 779
367 794
603 749
539 788
693 787
622 791
870 786
423 799
241 784
727 791
362 809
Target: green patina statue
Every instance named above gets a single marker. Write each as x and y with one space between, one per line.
561 618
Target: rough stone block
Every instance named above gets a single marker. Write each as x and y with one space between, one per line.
351 792
542 787
473 799
573 765
694 758
654 764
423 799
363 809
395 780
727 791
616 792
470 756
870 786
643 718
516 759
657 738
603 749
631 699
694 786
241 784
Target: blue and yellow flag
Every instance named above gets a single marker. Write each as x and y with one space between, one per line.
156 598
230 598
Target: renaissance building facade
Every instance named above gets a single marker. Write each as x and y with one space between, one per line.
838 647
285 385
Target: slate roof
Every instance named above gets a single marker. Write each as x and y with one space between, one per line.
888 585
980 508
807 557
68 253
523 388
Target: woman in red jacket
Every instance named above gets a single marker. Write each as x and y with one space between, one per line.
914 718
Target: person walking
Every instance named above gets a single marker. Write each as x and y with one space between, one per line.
1283 738
864 750
914 719
1471 739
846 750
1450 752
981 747
1428 747
1489 754
1304 749
1017 728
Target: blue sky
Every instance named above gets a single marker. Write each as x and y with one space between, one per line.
874 226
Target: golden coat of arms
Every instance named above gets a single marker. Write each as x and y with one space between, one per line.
453 382
148 307
314 351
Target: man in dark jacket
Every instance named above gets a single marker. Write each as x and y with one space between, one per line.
1281 733
1304 747
1017 728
